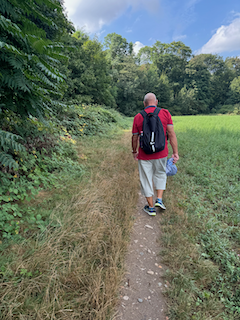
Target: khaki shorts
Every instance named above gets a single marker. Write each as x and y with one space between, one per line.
152 172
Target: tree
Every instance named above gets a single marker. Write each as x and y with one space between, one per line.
88 71
117 48
234 65
129 90
234 93
30 79
144 55
197 82
221 76
164 91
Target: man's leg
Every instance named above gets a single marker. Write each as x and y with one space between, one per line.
160 194
160 179
150 201
146 176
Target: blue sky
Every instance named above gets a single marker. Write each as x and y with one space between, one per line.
206 26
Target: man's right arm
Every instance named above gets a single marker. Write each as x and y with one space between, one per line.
135 146
173 142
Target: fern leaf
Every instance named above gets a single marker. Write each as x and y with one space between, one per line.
8 141
9 48
7 161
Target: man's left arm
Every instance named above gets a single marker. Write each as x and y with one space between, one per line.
173 142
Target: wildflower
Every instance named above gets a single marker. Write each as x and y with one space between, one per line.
33 151
15 176
83 157
73 141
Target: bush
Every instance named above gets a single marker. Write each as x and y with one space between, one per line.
87 120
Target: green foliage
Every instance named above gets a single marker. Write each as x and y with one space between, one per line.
8 143
230 109
117 48
29 78
37 170
88 72
234 93
43 158
79 120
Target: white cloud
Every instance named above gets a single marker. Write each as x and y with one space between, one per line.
137 46
226 38
180 37
71 6
92 15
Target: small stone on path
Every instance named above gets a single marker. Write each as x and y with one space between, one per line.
150 272
148 226
140 300
125 298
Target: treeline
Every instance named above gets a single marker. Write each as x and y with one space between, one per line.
113 75
45 63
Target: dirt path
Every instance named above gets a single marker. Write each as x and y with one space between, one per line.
141 294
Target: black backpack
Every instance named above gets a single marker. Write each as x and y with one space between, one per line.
152 137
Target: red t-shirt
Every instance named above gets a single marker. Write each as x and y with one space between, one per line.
166 119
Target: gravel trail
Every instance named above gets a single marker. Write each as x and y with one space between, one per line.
142 290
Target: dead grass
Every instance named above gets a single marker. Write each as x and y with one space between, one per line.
73 270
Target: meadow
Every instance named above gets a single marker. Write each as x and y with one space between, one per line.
201 234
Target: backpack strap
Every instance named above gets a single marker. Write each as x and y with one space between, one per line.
156 111
143 113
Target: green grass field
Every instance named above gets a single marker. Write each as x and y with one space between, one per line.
201 234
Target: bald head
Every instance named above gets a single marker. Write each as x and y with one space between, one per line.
150 100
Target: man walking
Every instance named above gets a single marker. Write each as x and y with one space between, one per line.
152 167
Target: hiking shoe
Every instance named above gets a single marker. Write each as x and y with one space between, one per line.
150 211
160 204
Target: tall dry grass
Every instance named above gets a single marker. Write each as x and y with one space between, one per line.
73 270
